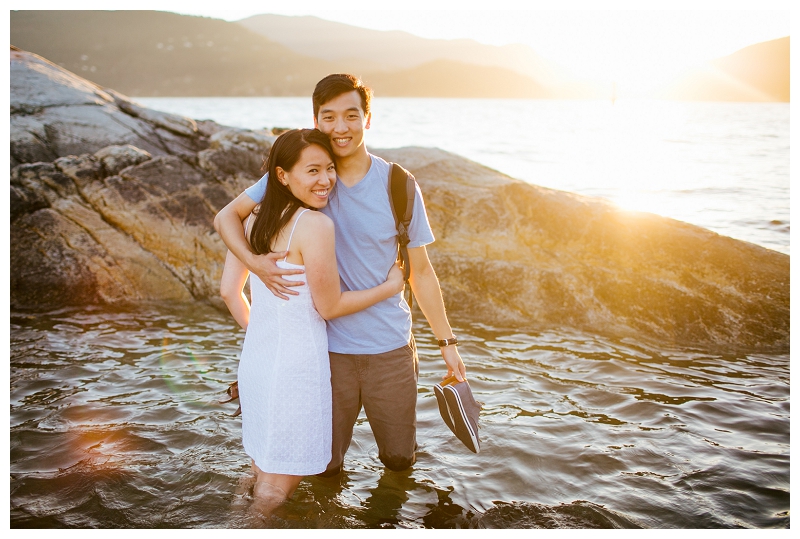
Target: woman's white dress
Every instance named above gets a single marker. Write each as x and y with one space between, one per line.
285 381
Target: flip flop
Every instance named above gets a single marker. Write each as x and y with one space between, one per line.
233 393
443 411
462 411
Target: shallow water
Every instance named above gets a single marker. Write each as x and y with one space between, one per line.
115 423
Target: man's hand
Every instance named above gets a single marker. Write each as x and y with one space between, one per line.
455 366
229 223
266 269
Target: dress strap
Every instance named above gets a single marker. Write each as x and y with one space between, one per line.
292 232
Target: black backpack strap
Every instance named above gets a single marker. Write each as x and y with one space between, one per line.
402 190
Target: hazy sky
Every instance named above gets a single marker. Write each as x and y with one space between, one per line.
621 42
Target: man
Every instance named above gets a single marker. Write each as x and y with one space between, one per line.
372 353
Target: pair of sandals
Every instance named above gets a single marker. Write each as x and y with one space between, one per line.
233 394
459 410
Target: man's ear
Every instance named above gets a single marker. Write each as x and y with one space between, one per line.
366 124
316 125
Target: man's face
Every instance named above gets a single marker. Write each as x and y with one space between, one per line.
344 121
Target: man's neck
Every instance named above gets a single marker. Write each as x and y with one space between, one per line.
353 168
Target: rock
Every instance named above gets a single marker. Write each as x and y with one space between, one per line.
55 113
81 169
24 200
44 179
125 215
171 122
234 151
144 235
108 203
51 262
67 255
116 158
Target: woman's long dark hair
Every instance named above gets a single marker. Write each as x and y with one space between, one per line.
279 204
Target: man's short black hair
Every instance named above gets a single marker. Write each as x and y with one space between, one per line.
337 84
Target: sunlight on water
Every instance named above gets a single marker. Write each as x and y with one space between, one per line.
722 166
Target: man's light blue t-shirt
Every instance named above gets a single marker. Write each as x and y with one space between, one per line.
366 248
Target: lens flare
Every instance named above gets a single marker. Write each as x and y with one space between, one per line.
184 371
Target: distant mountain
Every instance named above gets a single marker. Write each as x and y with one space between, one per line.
374 51
444 78
150 53
759 72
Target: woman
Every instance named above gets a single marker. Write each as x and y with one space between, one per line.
284 372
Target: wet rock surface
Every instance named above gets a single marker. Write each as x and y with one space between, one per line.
113 203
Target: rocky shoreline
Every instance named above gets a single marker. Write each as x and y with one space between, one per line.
112 203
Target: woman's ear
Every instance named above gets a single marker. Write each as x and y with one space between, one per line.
281 175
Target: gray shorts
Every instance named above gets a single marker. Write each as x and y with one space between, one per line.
386 385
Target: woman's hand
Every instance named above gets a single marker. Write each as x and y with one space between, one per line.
395 278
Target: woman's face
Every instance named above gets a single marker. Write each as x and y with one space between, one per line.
311 179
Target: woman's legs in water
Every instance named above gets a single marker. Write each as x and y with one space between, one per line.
272 489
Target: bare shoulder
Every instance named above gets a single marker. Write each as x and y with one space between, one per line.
314 227
314 234
314 221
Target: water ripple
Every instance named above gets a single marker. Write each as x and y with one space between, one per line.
115 422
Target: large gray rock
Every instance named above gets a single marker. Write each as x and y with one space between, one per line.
110 202
55 113
132 221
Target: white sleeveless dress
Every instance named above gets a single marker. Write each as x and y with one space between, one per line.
285 381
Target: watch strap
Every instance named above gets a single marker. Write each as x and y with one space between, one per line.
447 342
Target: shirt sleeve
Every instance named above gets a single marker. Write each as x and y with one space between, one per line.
258 190
419 232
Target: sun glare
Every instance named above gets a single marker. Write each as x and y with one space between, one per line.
628 157
637 50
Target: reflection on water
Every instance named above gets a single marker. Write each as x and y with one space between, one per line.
115 423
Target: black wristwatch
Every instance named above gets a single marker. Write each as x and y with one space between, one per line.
447 342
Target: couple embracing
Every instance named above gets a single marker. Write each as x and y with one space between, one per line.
329 330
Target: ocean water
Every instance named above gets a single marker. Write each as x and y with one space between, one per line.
115 423
722 166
